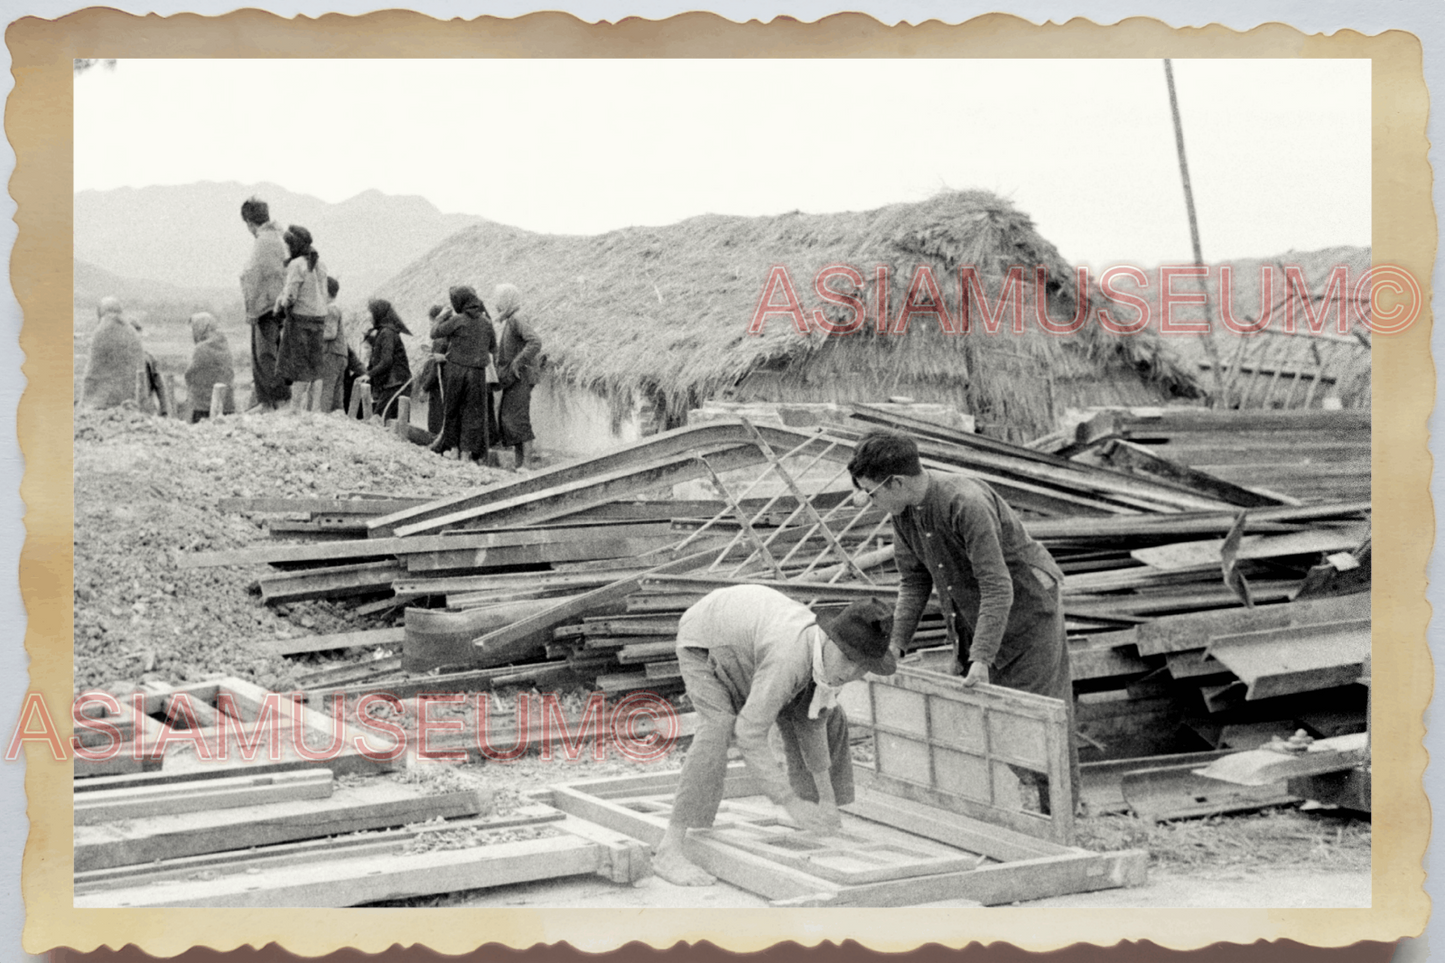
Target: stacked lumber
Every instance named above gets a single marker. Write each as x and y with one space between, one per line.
1307 456
303 839
577 575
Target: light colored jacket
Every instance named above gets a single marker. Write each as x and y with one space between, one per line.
305 289
760 647
265 273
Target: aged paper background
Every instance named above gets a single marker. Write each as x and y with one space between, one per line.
38 125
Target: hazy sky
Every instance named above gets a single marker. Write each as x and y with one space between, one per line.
1279 150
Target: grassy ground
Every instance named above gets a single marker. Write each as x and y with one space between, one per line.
1324 839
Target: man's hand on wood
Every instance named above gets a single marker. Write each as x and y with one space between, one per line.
977 674
808 815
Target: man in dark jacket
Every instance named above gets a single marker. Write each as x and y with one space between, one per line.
1001 592
470 343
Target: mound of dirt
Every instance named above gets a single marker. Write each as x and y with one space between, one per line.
148 489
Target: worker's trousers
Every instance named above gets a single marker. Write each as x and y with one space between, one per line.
705 769
267 386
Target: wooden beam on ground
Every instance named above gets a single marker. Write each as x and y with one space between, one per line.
229 792
1180 633
1303 658
575 849
1078 872
811 590
1190 523
304 851
1260 767
682 442
349 810
365 639
320 506
602 545
334 582
501 643
543 675
376 548
1182 555
1138 461
436 637
590 492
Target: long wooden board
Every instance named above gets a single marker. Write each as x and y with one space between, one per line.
574 850
212 865
349 810
362 548
143 801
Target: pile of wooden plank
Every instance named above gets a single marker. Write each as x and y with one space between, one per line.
1307 456
578 574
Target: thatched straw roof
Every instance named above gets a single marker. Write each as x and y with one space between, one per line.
663 312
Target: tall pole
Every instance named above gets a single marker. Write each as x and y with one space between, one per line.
1210 347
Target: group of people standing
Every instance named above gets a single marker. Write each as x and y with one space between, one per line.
296 331
297 338
473 357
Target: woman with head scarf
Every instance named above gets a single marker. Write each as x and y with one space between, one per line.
115 357
387 371
302 304
429 381
470 343
210 365
518 348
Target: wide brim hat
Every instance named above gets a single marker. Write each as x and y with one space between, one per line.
861 631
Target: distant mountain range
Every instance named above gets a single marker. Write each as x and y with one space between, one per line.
191 236
93 283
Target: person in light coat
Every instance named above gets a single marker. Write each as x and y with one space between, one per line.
116 356
518 358
210 365
262 280
752 658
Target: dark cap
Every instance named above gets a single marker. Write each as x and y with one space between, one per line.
861 630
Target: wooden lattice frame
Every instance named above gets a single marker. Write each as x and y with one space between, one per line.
950 746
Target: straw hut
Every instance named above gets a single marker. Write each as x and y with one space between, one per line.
642 324
1276 367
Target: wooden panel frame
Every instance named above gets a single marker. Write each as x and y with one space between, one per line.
1028 867
933 691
